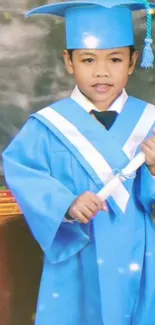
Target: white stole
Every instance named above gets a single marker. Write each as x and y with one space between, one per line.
93 156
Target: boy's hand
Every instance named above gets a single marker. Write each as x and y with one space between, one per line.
85 207
148 147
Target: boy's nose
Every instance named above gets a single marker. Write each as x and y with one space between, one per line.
101 71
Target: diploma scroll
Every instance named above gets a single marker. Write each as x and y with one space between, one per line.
130 169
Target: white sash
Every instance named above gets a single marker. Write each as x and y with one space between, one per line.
140 131
93 156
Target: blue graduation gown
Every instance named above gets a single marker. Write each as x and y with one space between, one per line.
103 272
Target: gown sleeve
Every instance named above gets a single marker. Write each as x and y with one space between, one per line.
146 185
146 189
43 199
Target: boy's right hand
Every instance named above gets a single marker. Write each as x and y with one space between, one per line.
86 206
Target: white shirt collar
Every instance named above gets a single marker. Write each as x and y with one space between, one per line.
117 105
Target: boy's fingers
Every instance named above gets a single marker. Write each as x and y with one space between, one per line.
87 212
92 206
149 143
149 155
104 206
97 201
147 150
81 218
101 205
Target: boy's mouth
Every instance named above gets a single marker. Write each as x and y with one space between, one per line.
102 87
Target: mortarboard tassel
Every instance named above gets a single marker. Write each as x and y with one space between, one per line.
148 56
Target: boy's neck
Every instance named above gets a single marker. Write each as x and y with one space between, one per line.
106 105
83 101
100 106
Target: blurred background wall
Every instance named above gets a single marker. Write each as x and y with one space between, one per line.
32 75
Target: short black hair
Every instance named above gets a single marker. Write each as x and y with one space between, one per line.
70 52
132 50
131 47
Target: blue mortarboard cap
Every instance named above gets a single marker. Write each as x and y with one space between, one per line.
101 24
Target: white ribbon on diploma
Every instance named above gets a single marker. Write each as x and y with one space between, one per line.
125 173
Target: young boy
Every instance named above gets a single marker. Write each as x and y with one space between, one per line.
99 265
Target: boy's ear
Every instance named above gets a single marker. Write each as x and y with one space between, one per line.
133 62
68 62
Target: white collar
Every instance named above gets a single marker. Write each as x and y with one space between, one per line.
117 105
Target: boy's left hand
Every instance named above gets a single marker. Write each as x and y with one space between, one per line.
148 147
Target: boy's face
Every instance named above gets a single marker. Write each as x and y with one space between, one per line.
101 74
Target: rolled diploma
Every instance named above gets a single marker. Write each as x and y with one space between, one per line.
133 165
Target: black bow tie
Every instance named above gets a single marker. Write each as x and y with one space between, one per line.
107 118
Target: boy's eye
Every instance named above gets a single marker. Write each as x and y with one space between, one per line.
88 60
115 60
